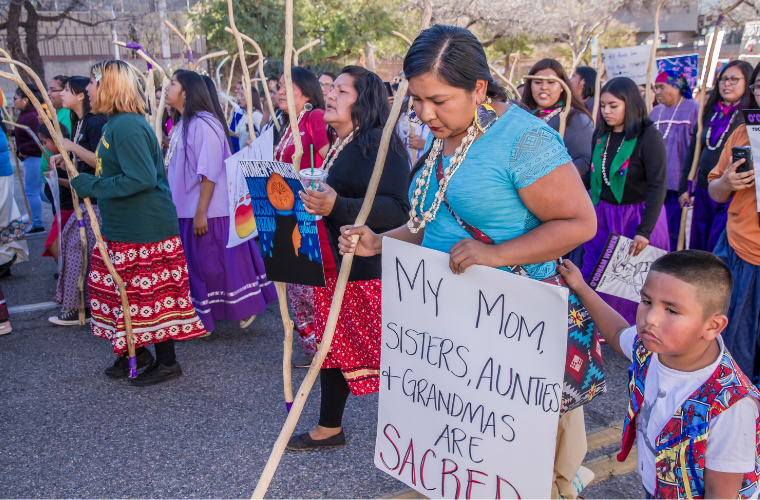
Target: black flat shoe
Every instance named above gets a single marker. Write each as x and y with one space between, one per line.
120 367
157 373
303 442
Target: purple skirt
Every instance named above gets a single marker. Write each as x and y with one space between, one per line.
708 221
622 220
225 283
673 213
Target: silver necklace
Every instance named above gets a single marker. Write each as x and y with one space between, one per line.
667 131
604 157
335 150
173 141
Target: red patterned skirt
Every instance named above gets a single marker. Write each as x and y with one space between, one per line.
155 276
355 347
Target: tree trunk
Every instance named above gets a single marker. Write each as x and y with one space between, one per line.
13 37
32 43
371 57
166 49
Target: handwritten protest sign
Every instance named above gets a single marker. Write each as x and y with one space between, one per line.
687 65
471 377
628 61
619 273
752 119
287 233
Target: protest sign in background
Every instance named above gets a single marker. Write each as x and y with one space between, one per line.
628 61
687 65
471 377
287 233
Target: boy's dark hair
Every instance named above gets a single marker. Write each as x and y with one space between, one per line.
710 275
44 133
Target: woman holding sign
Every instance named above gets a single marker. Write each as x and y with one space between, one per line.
627 180
357 109
733 183
226 283
519 201
722 115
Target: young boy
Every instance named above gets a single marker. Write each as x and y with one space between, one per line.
692 412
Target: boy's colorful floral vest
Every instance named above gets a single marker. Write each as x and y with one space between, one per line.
680 447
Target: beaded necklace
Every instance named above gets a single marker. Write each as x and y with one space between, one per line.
287 138
77 136
551 115
723 135
667 131
604 158
335 150
173 141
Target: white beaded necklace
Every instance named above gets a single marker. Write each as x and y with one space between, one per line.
604 158
552 114
287 138
77 136
173 141
720 139
424 179
335 150
667 131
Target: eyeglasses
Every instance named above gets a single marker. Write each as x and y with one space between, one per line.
755 89
730 80
53 91
326 86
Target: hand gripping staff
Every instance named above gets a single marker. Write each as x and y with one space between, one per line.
698 146
345 268
55 132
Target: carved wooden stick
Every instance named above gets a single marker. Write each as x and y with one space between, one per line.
305 47
700 115
184 41
229 81
568 99
597 87
219 70
56 136
261 74
403 37
504 79
514 64
653 55
345 270
246 75
193 66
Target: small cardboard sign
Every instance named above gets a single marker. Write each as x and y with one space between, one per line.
632 62
621 274
287 233
752 121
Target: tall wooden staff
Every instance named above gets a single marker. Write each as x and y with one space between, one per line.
193 66
56 129
55 132
514 65
504 79
305 47
597 89
184 42
345 268
655 44
261 71
698 146
12 149
568 99
229 81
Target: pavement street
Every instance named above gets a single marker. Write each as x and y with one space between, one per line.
70 432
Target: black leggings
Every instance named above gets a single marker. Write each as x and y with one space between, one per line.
334 395
164 352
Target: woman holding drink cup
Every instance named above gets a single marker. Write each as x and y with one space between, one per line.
357 109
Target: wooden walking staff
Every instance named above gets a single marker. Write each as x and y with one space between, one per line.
229 82
305 47
261 69
655 44
504 79
195 65
184 42
698 146
568 100
54 129
345 269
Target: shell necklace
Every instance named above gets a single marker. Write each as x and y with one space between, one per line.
552 114
423 181
173 141
77 136
604 158
667 130
335 150
287 138
720 139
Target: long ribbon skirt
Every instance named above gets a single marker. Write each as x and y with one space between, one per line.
708 221
66 291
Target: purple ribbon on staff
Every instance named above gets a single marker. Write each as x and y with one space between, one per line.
189 55
137 46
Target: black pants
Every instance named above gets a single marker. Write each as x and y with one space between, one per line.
164 352
334 395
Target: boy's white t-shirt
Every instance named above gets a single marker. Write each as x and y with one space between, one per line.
731 443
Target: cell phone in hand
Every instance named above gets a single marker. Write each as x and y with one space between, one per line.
742 153
388 88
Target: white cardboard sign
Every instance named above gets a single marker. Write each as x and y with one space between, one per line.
628 61
752 121
471 377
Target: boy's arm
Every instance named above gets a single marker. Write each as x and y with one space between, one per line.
722 484
609 323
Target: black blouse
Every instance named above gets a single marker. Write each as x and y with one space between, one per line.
349 177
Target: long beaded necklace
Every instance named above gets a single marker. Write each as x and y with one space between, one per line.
667 131
287 139
552 114
604 158
335 150
173 141
77 136
720 139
